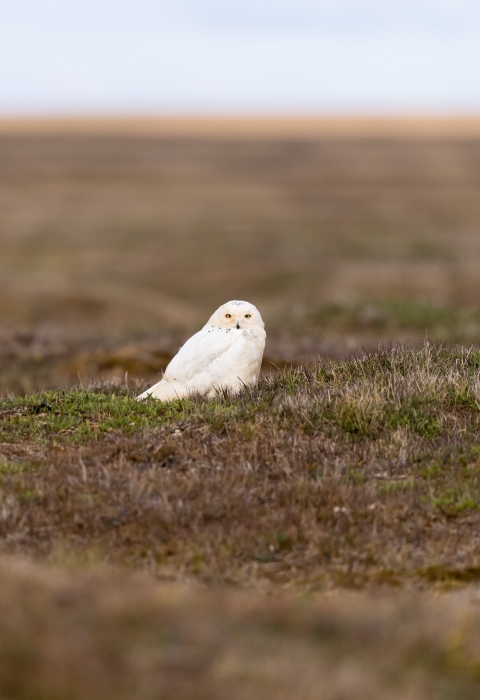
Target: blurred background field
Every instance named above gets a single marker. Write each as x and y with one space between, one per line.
156 160
120 237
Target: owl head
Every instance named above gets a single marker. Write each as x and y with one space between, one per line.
237 314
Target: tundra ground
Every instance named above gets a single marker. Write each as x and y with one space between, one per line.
317 536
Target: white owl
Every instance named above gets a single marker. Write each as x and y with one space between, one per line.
226 353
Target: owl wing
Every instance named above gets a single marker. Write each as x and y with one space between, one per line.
211 358
199 352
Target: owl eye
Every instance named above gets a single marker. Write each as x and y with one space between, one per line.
228 315
248 315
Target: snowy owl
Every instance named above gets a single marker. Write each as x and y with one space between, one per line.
226 353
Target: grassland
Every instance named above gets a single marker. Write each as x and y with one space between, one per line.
316 536
101 635
355 478
127 234
352 473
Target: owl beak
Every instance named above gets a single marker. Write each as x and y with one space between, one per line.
238 325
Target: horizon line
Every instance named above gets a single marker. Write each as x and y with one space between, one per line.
458 124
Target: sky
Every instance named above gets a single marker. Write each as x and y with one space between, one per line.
239 56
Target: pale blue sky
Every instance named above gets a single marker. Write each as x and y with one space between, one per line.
289 56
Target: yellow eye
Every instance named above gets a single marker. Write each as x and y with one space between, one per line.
228 315
248 315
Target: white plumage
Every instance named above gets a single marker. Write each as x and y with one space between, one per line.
226 353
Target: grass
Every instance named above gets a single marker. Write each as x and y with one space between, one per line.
418 389
346 474
114 235
34 360
399 315
80 416
291 541
100 635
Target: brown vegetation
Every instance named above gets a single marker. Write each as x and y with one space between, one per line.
120 235
350 474
345 469
74 635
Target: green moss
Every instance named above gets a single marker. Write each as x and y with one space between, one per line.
388 487
15 468
454 500
80 416
426 392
